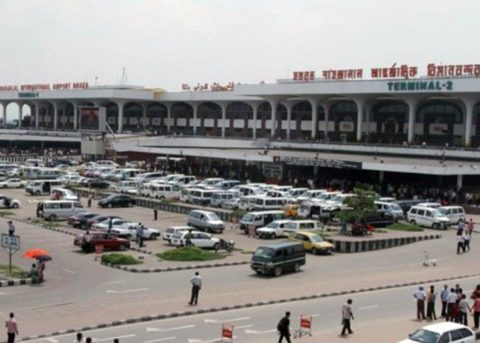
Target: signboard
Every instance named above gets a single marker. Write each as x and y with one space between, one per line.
214 87
412 86
10 242
317 162
92 118
44 87
27 95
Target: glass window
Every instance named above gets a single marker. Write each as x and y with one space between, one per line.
465 333
456 336
421 212
425 336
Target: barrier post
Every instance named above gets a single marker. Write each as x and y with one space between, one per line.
227 333
98 251
251 230
305 326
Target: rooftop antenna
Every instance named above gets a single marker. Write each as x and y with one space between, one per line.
124 78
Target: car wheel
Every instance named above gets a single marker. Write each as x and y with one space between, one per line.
273 236
15 205
277 271
153 236
216 246
37 193
296 267
52 217
435 226
314 251
109 205
4 186
413 222
123 247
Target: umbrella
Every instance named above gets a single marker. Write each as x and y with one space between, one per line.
44 258
35 253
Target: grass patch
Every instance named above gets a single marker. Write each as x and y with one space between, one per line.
238 213
381 231
187 254
168 201
120 259
6 213
404 227
17 272
40 221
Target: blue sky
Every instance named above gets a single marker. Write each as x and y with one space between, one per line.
164 43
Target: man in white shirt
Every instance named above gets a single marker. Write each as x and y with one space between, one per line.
444 298
451 300
79 338
347 315
420 296
196 282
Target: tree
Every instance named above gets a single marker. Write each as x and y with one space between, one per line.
356 206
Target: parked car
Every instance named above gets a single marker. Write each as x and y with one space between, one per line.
274 259
104 225
391 207
117 200
199 239
312 242
205 221
58 209
59 193
445 332
88 241
274 229
456 214
260 219
129 230
169 232
407 204
97 219
7 202
97 183
12 183
79 220
428 217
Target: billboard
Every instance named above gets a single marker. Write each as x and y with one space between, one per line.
92 118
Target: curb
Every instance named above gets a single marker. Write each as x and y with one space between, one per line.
172 269
16 282
238 306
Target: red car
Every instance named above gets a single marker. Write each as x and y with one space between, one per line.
89 241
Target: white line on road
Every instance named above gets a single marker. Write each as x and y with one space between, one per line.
114 282
255 332
369 307
52 340
110 339
226 320
194 340
243 326
112 291
68 271
183 327
160 339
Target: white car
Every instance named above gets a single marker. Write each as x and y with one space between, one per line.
198 239
129 230
170 231
274 229
6 202
446 332
12 183
116 223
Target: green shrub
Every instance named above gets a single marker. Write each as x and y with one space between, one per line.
120 259
238 213
17 272
186 254
404 227
6 213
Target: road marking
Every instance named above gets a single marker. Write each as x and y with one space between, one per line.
243 326
160 339
171 329
194 340
226 320
68 271
52 340
111 338
369 307
115 282
264 332
112 291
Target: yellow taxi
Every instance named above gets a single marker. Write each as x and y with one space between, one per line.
291 210
312 242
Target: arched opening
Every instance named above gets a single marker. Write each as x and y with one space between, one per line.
344 116
112 116
440 123
476 126
390 122
301 121
209 114
133 117
45 118
13 115
182 114
264 113
238 114
156 118
67 118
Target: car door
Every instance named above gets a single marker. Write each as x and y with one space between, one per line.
198 240
2 201
444 338
420 217
307 243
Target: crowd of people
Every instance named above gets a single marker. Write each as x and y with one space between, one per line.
455 305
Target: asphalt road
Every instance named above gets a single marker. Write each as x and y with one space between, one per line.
378 309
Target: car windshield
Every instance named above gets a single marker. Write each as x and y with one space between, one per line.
316 238
264 252
322 196
272 225
395 207
437 213
248 217
212 216
424 336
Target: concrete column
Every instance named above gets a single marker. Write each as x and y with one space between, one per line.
255 114
273 105
326 110
75 116
194 124
37 114
4 107
20 115
314 104
144 116
412 108
360 103
120 105
224 118
55 116
289 107
169 117
459 182
469 106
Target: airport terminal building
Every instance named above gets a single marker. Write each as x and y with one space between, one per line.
394 112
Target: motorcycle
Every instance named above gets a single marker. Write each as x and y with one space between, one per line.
225 245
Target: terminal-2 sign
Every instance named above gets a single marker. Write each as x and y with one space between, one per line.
413 86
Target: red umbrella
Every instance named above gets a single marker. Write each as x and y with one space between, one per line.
35 253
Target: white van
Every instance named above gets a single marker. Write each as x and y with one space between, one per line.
201 197
390 207
247 203
106 163
249 190
58 209
163 191
220 198
183 180
205 221
428 217
127 187
59 193
260 219
42 187
266 203
300 225
456 214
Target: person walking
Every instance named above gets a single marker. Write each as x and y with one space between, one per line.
420 296
347 315
476 312
140 235
12 328
464 309
11 228
460 247
196 282
431 298
283 328
444 298
79 338
451 300
470 226
476 293
466 241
